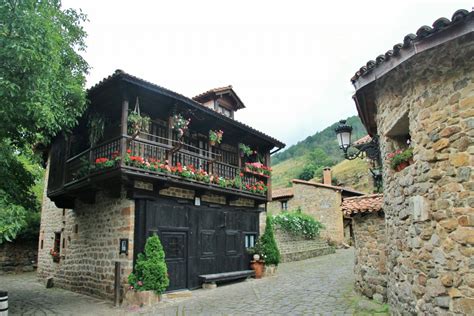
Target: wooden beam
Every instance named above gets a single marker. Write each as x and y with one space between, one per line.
268 162
123 130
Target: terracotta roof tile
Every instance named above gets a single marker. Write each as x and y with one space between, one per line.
282 193
334 187
408 42
362 204
364 140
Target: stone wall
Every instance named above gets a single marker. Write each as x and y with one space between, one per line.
295 248
370 255
89 244
323 204
18 256
429 205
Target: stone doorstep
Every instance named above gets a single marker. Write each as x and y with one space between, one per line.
303 255
178 294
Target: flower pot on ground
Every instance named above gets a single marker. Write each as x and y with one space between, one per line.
140 298
257 266
270 270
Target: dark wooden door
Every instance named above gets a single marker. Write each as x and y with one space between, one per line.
196 239
175 245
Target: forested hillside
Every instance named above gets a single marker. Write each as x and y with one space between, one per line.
307 158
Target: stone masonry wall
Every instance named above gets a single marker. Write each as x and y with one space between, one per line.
294 248
89 244
429 206
323 204
370 255
18 256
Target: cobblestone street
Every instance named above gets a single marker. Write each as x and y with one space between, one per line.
321 285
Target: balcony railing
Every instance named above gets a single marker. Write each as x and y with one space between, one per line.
171 159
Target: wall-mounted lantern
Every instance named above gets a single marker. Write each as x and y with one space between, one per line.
370 150
344 134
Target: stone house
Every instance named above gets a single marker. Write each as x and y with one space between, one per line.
422 90
320 200
370 239
166 177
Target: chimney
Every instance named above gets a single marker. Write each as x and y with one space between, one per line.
327 178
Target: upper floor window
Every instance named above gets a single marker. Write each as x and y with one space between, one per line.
223 110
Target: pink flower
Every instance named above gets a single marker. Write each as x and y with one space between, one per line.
140 283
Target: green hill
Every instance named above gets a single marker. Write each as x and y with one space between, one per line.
307 158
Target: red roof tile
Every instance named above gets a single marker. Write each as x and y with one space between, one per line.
362 204
282 193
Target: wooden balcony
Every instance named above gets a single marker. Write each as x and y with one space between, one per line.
170 162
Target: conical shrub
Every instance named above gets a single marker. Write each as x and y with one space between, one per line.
151 272
269 245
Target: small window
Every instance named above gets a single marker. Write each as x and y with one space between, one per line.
250 240
284 205
56 251
42 243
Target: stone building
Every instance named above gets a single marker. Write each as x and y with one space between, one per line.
370 239
422 90
320 200
164 176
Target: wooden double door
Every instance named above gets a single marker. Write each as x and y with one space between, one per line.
196 239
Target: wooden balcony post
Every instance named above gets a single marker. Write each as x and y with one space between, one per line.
268 162
123 130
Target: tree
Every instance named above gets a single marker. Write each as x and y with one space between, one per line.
151 273
42 77
268 244
307 173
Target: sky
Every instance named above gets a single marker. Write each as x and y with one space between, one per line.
290 62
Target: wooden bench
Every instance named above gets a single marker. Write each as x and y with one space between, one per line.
209 280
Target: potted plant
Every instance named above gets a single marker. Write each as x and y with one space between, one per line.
150 278
180 124
138 123
257 264
269 247
215 137
245 150
399 159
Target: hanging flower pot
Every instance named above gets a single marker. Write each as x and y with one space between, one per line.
215 137
180 124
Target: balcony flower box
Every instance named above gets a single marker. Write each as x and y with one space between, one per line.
400 159
258 168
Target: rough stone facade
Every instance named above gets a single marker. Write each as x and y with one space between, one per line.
295 248
89 244
429 206
18 256
370 255
322 203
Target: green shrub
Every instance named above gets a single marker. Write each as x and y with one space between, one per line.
297 223
267 244
151 273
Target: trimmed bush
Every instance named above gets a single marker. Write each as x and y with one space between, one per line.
297 223
268 245
151 273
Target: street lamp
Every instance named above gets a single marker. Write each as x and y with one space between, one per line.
371 149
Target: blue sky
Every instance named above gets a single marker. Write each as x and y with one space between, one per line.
289 61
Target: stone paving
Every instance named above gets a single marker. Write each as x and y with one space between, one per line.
318 286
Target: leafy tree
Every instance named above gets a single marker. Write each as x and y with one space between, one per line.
42 77
151 273
307 173
268 244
